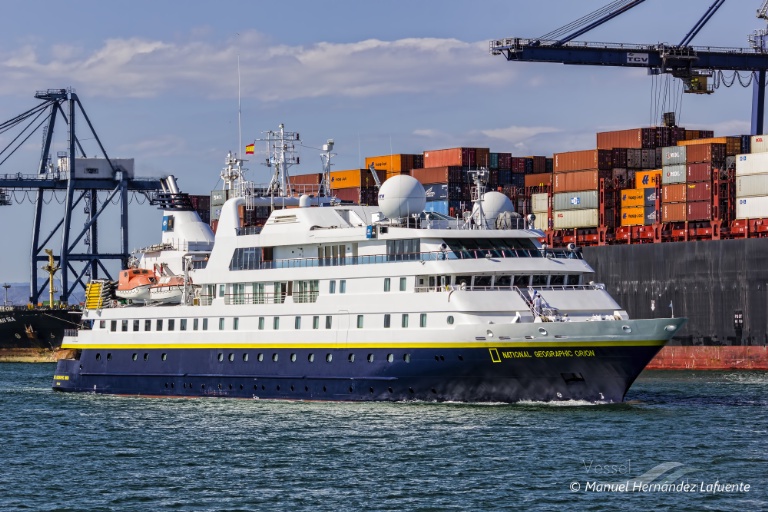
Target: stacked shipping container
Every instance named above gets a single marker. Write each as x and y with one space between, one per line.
752 181
576 187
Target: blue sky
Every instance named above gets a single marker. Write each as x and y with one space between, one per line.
159 81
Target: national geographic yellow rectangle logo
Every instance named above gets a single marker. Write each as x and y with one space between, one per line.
61 377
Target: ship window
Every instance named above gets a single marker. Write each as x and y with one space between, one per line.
231 357
293 358
205 324
274 357
245 357
463 282
164 356
407 358
136 325
572 280
400 250
220 357
423 320
502 281
328 358
315 322
522 281
171 324
245 258
221 324
222 289
147 325
539 280
124 325
403 283
386 321
405 320
276 323
370 358
311 357
305 291
351 358
183 324
261 323
135 356
359 321
235 323
390 358
332 287
260 357
102 324
450 319
556 280
146 356
159 324
297 322
386 284
328 321
343 286
194 324
98 357
109 354
482 282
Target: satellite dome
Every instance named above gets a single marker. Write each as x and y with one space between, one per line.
494 204
401 196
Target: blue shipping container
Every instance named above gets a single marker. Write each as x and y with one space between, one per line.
437 206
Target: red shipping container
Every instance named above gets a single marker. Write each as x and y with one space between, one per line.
699 210
583 160
701 191
705 153
538 180
457 157
539 164
619 157
699 172
306 179
517 164
578 180
674 193
632 138
673 212
438 175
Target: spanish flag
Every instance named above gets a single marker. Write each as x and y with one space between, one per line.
249 149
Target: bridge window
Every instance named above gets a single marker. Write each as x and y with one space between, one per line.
502 281
556 280
246 258
403 250
482 281
539 280
522 281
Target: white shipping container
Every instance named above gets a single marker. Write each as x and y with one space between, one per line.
539 202
542 222
759 144
673 155
752 185
673 174
752 207
575 200
753 163
569 219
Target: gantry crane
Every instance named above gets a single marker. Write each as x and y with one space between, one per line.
694 65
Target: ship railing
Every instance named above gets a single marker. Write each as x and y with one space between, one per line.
505 288
267 298
469 254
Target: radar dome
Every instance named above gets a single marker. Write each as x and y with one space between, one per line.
401 196
494 204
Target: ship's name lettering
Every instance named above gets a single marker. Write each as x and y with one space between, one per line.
6 319
515 354
522 354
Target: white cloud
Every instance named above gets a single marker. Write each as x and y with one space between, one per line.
138 67
517 134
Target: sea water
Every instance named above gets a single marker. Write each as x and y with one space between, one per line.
681 441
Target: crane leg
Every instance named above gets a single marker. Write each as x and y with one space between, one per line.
758 103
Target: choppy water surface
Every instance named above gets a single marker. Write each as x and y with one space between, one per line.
88 452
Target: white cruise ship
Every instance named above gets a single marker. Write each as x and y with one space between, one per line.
354 302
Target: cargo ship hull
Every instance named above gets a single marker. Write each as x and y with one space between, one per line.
23 328
721 286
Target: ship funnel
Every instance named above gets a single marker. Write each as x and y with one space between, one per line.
172 187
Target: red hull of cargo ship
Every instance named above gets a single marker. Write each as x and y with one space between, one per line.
710 358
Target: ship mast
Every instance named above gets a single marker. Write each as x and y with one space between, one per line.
51 268
281 151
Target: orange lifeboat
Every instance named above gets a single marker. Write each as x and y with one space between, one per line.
135 284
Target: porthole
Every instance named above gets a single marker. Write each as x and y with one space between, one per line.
293 359
241 387
278 387
390 358
202 386
231 357
274 357
166 385
219 385
450 319
437 358
245 357
164 356
351 358
461 358
135 356
627 329
389 389
324 390
410 390
370 358
230 387
328 358
255 387
542 331
370 390
146 356
442 358
260 357
98 357
291 387
306 388
220 357
109 356
434 391
311 357
407 358
350 389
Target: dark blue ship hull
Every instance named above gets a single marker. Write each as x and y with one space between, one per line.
595 373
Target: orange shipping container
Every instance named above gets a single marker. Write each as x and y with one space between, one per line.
647 179
354 178
458 157
674 193
538 180
391 163
632 216
673 212
632 197
578 180
705 153
637 138
732 144
582 160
